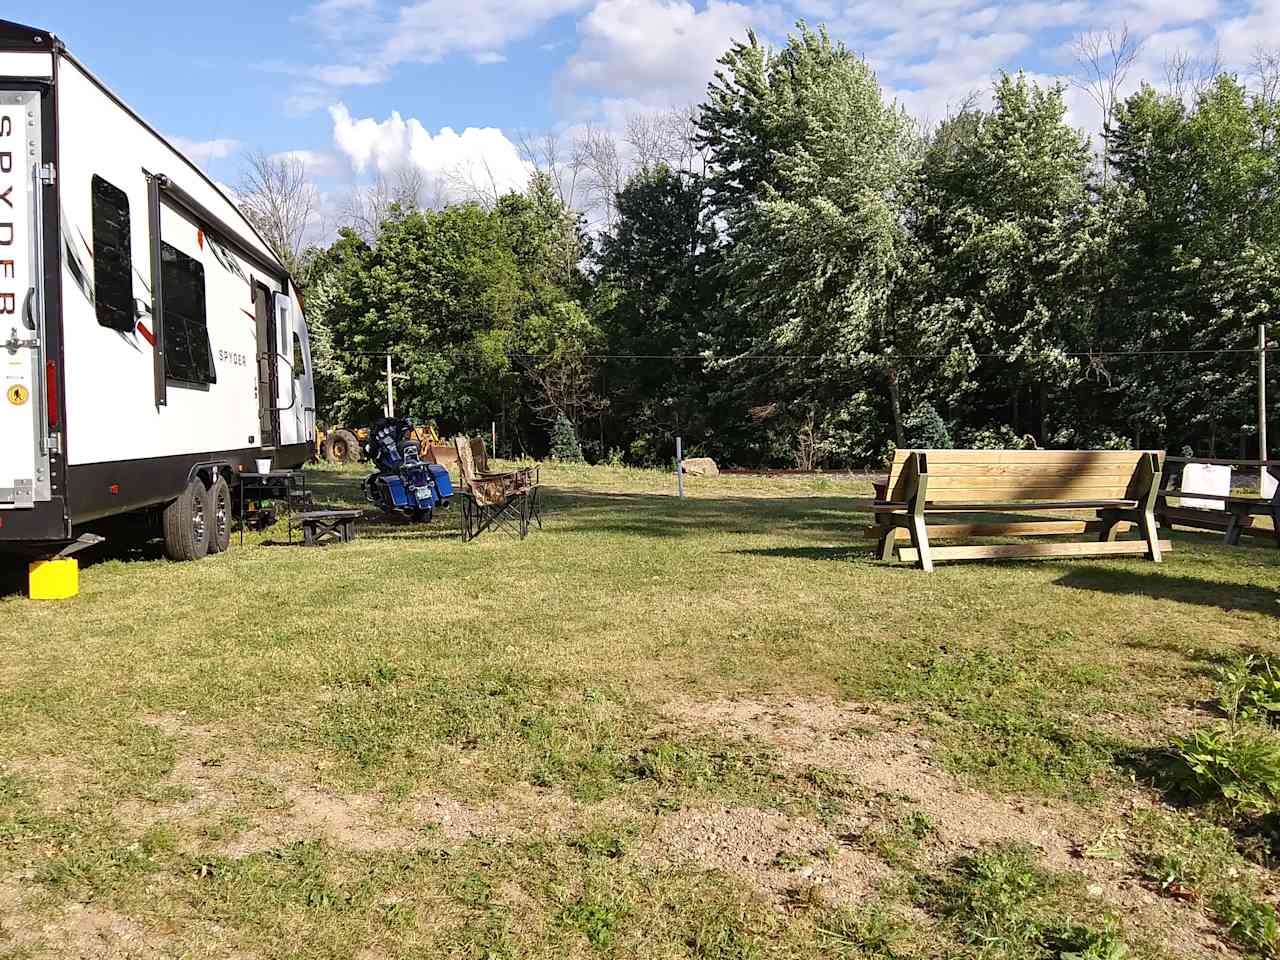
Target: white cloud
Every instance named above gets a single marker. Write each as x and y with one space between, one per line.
489 56
1240 37
964 59
317 163
204 151
430 30
478 161
345 75
659 51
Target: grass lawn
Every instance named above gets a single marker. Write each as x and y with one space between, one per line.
707 728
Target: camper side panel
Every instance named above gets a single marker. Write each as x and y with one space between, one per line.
118 437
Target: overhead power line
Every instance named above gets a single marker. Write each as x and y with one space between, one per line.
1086 355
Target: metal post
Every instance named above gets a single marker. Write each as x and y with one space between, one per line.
680 467
493 437
391 394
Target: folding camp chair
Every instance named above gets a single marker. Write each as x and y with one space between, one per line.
498 501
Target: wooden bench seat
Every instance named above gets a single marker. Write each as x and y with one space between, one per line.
1018 505
1120 486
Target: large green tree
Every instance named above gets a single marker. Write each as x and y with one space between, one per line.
1197 247
653 302
1008 242
430 291
808 161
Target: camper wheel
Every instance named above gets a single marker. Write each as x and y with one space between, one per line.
219 515
186 524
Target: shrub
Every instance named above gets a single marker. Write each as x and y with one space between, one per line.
1251 923
564 441
1232 764
1249 689
924 429
994 437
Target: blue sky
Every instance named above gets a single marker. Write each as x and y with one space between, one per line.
357 86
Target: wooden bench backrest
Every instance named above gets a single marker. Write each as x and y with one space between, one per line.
1000 476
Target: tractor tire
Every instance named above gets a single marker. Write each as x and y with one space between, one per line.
186 524
219 513
343 447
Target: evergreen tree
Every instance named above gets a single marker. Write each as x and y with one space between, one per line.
925 430
564 441
653 301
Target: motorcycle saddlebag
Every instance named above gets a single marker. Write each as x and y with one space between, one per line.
444 486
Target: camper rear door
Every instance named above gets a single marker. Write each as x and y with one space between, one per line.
24 461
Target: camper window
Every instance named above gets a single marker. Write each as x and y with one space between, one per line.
112 259
187 355
298 370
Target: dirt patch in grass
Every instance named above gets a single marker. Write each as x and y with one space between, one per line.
890 763
349 821
788 859
882 753
244 802
77 930
521 812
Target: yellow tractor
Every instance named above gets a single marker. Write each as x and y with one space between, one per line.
346 444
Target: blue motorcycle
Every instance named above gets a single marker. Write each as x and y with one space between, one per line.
404 484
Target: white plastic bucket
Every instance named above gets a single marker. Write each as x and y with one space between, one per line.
264 466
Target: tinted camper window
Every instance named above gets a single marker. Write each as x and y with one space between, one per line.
187 355
298 361
112 260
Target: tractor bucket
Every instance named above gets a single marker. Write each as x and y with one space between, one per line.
440 453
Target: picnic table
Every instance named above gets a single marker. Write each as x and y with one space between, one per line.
1120 487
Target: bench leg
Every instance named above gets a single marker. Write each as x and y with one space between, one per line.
1110 526
1232 537
1151 533
308 535
887 545
920 540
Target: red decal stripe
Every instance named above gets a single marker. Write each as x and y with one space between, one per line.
249 315
147 335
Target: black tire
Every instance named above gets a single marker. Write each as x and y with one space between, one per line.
185 522
343 447
219 513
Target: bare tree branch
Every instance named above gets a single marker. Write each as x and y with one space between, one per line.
1264 71
1187 76
1104 59
279 199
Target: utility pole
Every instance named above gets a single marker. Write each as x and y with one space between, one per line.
391 391
1262 407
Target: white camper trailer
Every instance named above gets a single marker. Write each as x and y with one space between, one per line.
152 347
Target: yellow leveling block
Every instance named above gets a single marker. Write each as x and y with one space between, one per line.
53 579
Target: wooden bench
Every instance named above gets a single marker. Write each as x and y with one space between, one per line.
321 526
1120 486
1234 519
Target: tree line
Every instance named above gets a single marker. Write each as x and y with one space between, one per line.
798 272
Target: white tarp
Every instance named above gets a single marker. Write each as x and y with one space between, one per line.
1205 478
